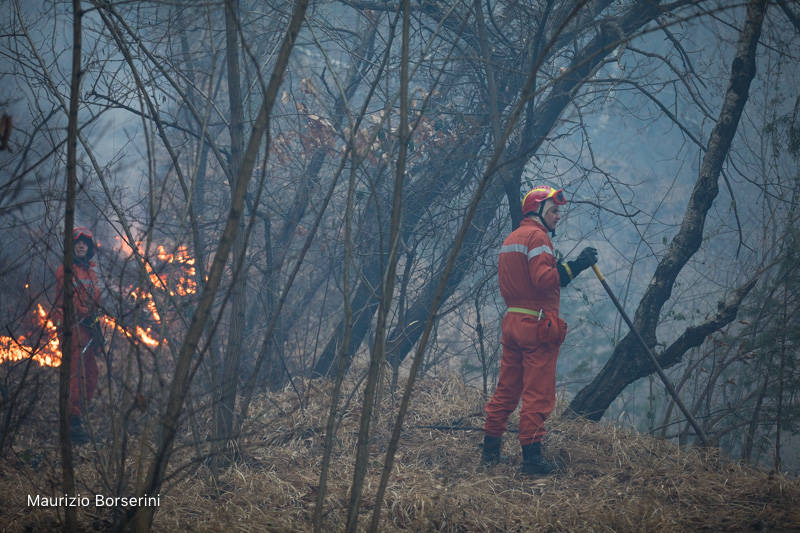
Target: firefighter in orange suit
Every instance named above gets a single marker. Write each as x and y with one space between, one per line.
86 334
532 332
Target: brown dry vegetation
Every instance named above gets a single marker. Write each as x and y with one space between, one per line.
609 479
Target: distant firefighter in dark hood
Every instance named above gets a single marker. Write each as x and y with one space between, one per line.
86 334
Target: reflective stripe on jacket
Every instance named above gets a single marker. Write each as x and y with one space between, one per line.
527 270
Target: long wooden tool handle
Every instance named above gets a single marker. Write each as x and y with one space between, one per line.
672 392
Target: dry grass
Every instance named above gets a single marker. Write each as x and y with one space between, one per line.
609 479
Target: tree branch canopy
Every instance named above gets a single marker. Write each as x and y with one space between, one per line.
627 363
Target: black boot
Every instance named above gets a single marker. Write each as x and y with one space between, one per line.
533 464
77 432
491 450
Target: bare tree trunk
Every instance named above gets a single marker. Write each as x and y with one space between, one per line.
781 371
230 364
365 302
387 288
481 347
330 426
628 363
179 386
68 473
752 428
403 337
271 352
511 180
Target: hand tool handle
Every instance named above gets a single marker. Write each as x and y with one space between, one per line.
664 379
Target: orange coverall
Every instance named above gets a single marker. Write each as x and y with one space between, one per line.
84 372
529 281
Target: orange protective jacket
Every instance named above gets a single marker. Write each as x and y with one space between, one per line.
86 294
527 269
528 279
84 371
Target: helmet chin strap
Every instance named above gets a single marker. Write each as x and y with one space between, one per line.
548 228
541 217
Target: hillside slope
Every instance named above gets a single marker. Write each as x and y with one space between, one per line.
608 480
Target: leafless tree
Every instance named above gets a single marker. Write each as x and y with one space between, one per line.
399 136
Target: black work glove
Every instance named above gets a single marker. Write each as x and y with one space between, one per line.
89 321
92 323
567 272
99 338
586 258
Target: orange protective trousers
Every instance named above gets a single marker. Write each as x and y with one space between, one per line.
527 370
84 372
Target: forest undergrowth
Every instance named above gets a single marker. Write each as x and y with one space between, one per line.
608 478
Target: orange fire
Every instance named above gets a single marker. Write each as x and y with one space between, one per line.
144 335
178 279
46 352
184 283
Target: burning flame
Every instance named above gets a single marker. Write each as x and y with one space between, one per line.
47 352
177 278
185 283
144 335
